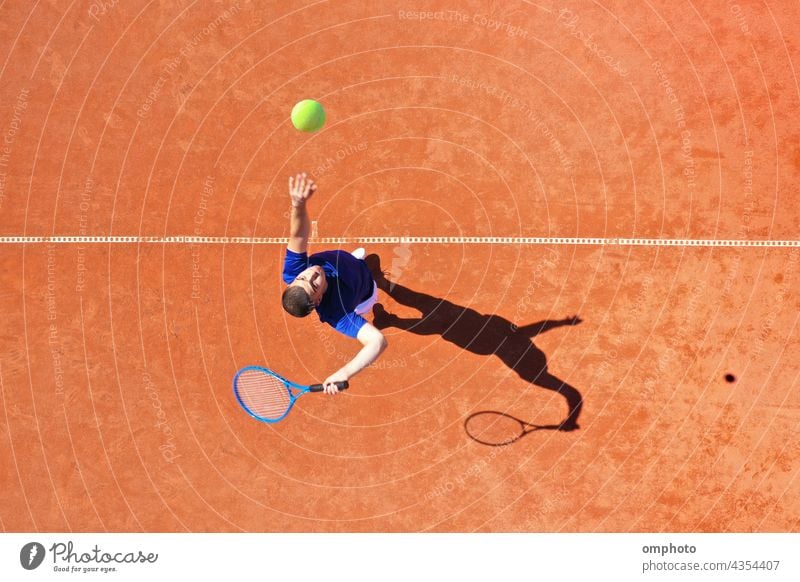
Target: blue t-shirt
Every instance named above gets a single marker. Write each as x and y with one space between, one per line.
349 284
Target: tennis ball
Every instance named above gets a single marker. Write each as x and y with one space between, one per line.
308 115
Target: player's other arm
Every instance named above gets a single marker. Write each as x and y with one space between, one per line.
373 343
301 188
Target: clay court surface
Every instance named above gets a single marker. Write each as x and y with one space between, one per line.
518 122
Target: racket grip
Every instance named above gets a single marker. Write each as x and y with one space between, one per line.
320 388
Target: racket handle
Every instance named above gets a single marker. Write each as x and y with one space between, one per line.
320 388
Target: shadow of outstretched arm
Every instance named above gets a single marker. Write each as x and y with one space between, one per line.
533 329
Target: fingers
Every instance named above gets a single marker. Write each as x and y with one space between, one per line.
309 185
301 185
330 388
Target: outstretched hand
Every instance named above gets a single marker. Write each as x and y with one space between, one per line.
301 188
574 320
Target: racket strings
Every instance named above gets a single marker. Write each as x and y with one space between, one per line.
262 394
493 428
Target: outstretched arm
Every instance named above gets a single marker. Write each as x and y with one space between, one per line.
301 188
534 329
373 344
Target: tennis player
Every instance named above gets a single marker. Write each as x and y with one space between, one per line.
337 284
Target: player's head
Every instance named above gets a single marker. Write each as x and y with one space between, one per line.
305 292
297 302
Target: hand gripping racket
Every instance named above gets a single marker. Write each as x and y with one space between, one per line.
497 429
268 397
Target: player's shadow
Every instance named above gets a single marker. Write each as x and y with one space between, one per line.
482 334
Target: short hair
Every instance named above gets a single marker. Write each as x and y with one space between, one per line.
297 301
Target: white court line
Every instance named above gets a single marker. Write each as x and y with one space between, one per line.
447 240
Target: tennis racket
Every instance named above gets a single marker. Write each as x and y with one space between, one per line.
497 429
268 397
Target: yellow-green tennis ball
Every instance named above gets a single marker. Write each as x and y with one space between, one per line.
308 115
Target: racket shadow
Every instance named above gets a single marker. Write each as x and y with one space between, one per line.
499 429
482 334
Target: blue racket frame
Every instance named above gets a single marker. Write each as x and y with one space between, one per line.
290 386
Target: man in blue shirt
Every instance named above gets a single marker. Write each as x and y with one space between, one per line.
336 284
